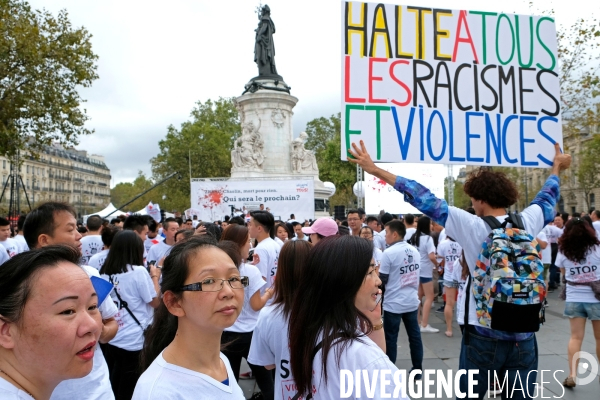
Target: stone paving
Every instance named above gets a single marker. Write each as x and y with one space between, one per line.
441 352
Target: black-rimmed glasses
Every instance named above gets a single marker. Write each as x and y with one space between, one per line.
214 285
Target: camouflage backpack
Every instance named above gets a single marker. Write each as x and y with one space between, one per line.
508 286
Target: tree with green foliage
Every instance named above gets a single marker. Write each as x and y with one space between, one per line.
461 200
125 191
324 138
587 170
44 60
207 140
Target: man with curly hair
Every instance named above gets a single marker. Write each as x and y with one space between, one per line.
491 193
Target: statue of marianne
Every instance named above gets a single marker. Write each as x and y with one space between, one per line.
264 48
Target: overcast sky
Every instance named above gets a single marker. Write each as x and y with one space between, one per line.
157 58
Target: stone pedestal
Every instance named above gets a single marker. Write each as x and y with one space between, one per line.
265 148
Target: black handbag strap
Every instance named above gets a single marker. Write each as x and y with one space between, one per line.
468 295
124 304
315 351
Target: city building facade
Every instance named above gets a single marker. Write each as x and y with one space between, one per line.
59 174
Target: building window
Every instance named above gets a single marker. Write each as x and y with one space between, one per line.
28 169
561 204
573 210
592 201
3 164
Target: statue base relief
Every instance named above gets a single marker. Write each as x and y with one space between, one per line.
267 146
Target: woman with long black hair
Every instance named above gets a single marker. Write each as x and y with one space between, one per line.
579 257
329 332
423 241
136 294
237 338
270 346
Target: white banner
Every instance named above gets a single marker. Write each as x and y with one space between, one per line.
213 199
153 210
381 196
432 85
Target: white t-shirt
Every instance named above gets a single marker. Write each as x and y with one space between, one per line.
545 254
279 242
268 252
426 247
151 242
3 256
246 321
11 246
97 260
377 254
96 384
409 233
379 240
136 288
553 233
460 300
470 231
157 252
10 392
270 346
450 251
164 381
305 237
401 262
90 245
586 271
357 356
442 236
596 225
20 239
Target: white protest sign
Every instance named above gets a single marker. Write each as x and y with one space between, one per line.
431 85
153 210
381 196
214 198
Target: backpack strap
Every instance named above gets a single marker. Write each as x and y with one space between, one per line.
516 220
492 222
314 354
125 305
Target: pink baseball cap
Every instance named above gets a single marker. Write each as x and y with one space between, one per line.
323 226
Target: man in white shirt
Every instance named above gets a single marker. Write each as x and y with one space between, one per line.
152 236
261 227
399 274
411 226
298 231
595 216
160 250
553 233
55 223
491 194
354 222
92 242
10 245
19 238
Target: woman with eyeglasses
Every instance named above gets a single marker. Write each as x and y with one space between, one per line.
367 233
329 333
579 259
203 294
136 296
237 338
